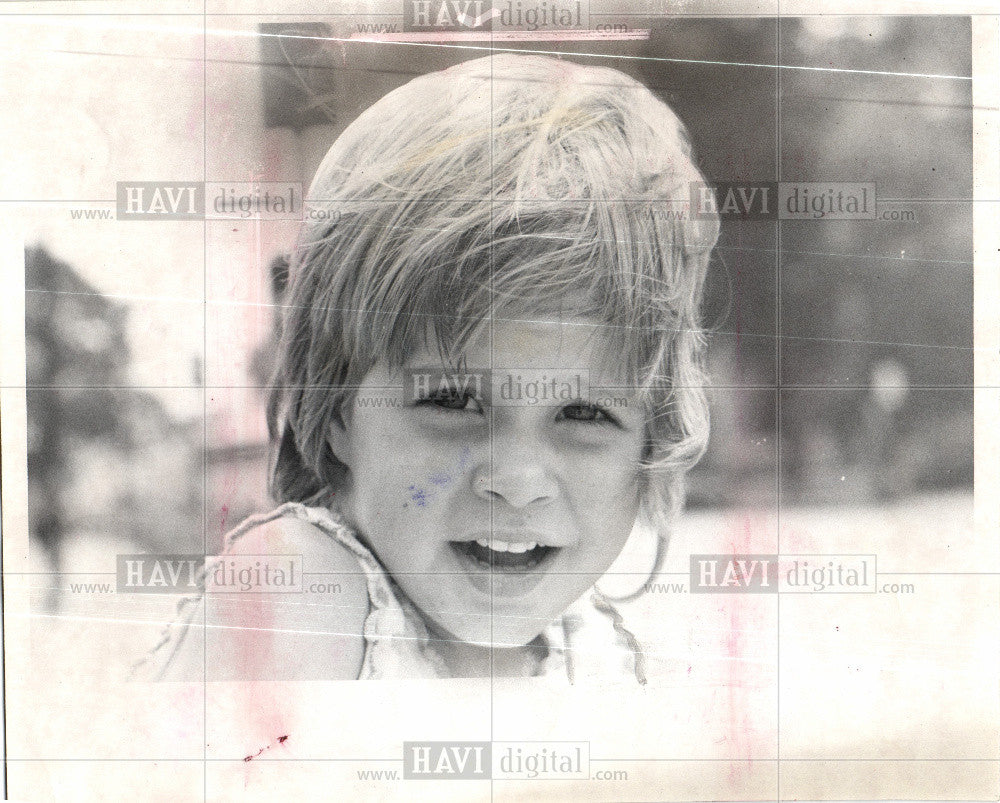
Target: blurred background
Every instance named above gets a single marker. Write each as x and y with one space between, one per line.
840 351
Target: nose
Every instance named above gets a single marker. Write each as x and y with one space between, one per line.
514 476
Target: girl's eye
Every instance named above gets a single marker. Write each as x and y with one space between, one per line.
452 401
586 413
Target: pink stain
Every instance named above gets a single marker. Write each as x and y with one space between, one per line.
742 614
273 161
261 705
737 686
741 679
194 120
187 698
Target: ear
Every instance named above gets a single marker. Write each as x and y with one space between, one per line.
338 438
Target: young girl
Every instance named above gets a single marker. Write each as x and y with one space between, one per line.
489 372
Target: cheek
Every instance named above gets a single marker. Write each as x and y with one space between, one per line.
378 474
399 476
606 486
612 469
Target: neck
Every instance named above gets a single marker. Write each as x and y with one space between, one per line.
466 660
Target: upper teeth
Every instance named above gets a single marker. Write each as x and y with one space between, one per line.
506 546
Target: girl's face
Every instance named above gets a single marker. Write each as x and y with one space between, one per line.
494 513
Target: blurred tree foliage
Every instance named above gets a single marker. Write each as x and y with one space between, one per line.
76 352
96 445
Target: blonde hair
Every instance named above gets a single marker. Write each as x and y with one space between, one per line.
500 186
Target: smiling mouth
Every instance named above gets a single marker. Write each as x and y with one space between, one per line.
509 557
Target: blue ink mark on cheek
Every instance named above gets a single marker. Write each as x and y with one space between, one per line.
441 479
419 496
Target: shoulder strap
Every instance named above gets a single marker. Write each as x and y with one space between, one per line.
379 589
